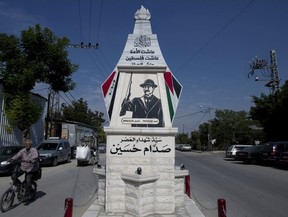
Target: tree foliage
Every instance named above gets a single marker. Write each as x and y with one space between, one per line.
182 138
234 127
272 112
226 128
25 111
38 55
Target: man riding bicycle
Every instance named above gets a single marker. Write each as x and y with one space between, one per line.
28 157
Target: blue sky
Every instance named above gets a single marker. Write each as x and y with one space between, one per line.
207 44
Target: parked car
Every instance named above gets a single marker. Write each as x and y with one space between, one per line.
233 149
284 158
185 147
7 152
102 148
251 154
272 151
178 147
53 151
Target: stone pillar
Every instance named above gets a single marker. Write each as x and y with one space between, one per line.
141 97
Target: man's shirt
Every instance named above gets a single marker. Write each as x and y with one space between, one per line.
23 155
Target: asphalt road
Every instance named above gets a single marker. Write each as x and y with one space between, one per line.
249 190
56 185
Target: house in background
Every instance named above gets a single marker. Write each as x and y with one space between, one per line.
13 136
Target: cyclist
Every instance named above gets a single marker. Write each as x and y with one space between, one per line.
28 157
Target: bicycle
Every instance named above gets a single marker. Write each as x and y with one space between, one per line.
18 191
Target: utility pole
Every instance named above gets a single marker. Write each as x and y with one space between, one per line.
209 136
267 71
274 71
53 109
209 130
47 120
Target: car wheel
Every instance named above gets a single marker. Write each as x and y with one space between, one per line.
55 162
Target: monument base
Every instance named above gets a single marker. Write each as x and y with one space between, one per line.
140 197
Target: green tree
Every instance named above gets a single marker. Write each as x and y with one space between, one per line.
78 111
195 140
25 111
37 56
272 112
182 138
230 127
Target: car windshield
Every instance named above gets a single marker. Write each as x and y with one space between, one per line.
8 150
249 148
101 146
239 148
47 146
5 151
230 147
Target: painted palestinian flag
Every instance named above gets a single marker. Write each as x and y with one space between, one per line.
109 88
173 90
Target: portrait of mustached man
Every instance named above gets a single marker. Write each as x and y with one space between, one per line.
146 106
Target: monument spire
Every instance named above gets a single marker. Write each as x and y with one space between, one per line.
142 48
142 21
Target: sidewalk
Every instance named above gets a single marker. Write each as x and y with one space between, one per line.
188 209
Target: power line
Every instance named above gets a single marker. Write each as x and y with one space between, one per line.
216 34
71 95
108 63
80 21
200 120
90 45
189 114
96 64
99 60
66 100
90 8
99 23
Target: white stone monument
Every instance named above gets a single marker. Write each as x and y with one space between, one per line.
141 96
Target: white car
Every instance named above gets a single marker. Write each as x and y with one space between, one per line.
186 147
231 151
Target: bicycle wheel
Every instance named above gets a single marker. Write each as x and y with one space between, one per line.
7 200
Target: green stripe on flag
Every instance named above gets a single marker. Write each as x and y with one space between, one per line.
170 105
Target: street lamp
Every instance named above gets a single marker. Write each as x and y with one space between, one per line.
209 135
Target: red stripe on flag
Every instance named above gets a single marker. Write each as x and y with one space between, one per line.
107 84
169 80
